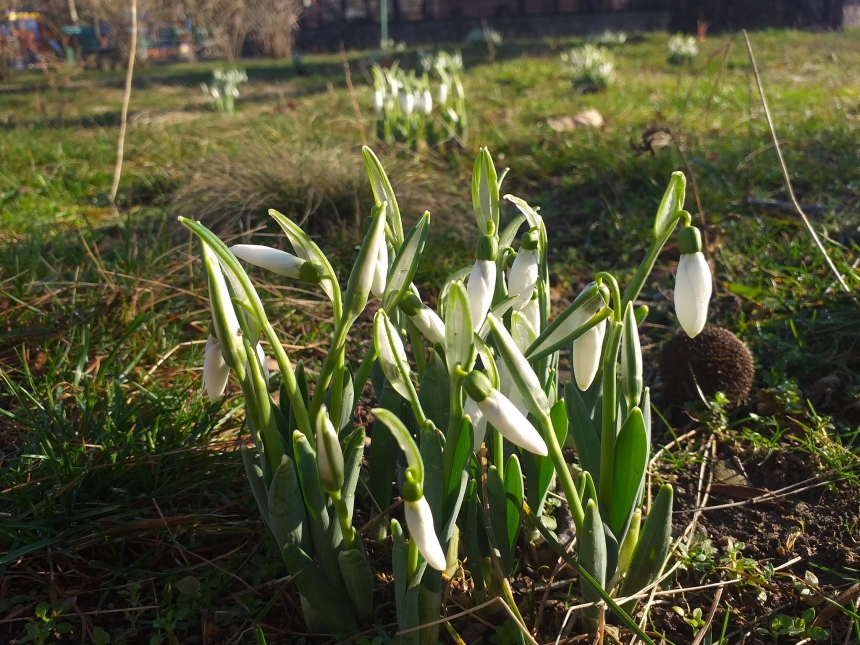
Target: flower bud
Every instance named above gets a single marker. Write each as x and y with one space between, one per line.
480 287
631 359
380 274
363 272
443 93
407 102
280 262
419 519
586 350
329 453
428 102
532 312
692 283
425 319
498 410
378 98
215 370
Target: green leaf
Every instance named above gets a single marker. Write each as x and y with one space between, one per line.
307 249
383 192
358 579
287 519
514 494
506 238
462 452
582 431
435 394
652 548
499 517
302 386
459 274
672 202
592 557
473 541
531 215
631 458
571 323
458 329
326 600
383 453
257 482
485 192
539 470
406 263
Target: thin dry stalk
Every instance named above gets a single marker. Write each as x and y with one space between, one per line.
123 117
348 75
701 635
785 175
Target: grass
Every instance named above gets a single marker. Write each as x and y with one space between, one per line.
123 505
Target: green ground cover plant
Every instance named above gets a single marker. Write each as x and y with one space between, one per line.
125 510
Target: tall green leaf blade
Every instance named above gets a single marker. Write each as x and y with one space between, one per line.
506 238
383 453
539 470
257 482
405 603
353 451
287 519
631 458
592 557
458 329
514 495
582 431
435 394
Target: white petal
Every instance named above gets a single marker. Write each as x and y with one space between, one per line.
692 292
377 100
532 314
513 425
407 102
215 370
428 102
273 260
480 287
430 324
419 519
479 423
443 93
586 351
523 278
380 272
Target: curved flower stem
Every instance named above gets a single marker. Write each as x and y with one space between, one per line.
617 311
262 407
332 360
644 270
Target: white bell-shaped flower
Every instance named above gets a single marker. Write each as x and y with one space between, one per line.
523 276
378 101
692 283
419 519
513 424
430 324
266 257
532 313
407 102
443 94
215 370
480 287
427 103
586 351
479 423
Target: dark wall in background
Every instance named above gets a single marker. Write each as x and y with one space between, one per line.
737 14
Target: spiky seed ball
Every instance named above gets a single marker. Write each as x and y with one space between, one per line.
715 360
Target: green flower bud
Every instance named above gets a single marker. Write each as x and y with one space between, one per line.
410 304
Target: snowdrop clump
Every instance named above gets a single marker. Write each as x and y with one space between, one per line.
224 88
589 66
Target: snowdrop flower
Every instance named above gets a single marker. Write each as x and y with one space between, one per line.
482 281
215 370
443 93
532 312
427 104
498 410
588 347
378 99
276 261
407 103
479 423
692 283
523 276
419 519
329 453
426 320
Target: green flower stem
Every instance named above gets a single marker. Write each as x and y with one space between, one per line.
455 421
332 360
337 390
644 270
346 528
268 429
618 311
364 371
608 430
563 473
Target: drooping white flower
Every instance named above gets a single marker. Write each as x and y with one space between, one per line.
215 370
480 287
380 273
443 93
407 102
523 277
430 324
378 99
586 350
532 313
419 519
273 260
427 103
692 292
479 423
508 420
